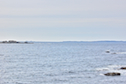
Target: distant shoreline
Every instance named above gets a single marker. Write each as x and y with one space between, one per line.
79 41
14 42
96 41
31 42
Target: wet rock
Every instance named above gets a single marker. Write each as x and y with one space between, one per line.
114 53
107 51
123 68
113 74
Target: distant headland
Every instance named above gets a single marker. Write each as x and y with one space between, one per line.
13 41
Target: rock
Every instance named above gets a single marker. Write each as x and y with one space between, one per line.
107 51
113 74
114 53
123 68
25 42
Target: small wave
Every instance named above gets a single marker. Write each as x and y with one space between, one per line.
113 52
51 75
118 53
69 72
121 52
102 69
60 80
19 83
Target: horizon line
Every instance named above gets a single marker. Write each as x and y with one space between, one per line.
70 41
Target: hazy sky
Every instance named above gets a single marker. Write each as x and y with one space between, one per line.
61 20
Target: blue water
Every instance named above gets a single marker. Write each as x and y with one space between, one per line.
62 63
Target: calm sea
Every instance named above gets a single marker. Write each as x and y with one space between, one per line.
62 63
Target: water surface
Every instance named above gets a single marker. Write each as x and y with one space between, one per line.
62 63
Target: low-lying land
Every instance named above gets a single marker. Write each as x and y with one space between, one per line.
13 41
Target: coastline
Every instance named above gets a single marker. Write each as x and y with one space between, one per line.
14 42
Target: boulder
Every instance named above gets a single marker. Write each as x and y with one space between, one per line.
107 51
123 68
113 74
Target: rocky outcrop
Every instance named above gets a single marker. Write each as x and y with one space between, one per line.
13 41
10 41
107 51
124 68
113 74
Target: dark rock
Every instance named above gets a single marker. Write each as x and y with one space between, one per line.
123 68
107 51
113 74
25 42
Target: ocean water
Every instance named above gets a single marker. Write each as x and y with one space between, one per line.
62 63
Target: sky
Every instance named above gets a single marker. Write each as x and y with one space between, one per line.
62 20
